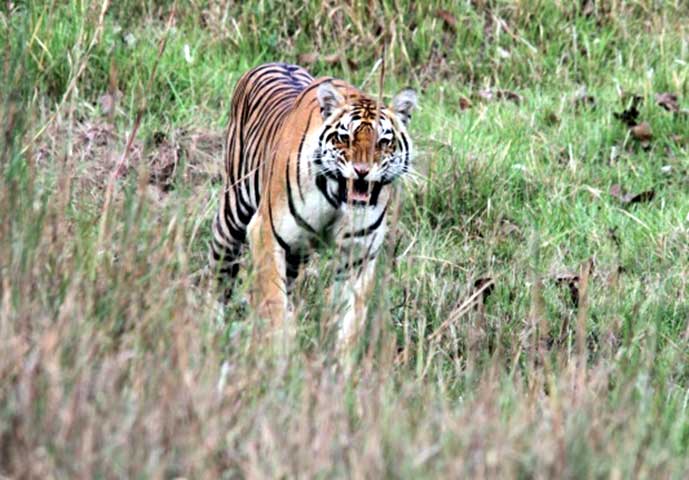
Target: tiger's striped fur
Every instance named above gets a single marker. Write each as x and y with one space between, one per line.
306 158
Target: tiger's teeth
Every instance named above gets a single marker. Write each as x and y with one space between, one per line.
359 196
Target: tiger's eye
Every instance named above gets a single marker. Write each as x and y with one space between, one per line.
384 143
339 138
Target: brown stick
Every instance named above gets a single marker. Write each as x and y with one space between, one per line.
119 168
140 113
461 310
582 316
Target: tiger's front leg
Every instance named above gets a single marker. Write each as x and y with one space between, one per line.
359 239
355 288
269 291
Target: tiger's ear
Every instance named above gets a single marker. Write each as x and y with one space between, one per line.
328 98
404 104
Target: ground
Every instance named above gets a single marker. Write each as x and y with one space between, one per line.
531 317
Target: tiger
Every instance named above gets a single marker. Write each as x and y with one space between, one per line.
305 159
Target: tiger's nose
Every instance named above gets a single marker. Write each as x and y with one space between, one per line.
361 169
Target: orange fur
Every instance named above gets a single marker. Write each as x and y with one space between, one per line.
304 157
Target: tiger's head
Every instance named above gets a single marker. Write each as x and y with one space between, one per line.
361 146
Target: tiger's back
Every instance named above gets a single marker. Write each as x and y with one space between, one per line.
262 100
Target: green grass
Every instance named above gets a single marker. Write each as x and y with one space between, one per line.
111 360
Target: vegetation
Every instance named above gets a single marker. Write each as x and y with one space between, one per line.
531 315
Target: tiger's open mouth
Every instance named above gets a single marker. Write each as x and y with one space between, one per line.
360 192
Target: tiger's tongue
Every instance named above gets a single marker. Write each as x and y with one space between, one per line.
358 191
358 196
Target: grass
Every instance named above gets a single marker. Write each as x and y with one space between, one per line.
572 362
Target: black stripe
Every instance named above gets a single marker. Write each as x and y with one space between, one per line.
259 148
355 264
266 70
229 150
228 212
281 241
322 184
375 193
231 223
330 135
268 114
231 269
293 262
405 146
214 252
238 233
217 222
241 203
271 95
316 85
290 202
244 211
368 230
370 256
262 98
301 145
219 250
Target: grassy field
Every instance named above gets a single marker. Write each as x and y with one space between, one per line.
531 318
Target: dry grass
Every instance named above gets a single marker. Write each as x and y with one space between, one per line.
526 324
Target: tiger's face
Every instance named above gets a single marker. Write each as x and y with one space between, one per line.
361 146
